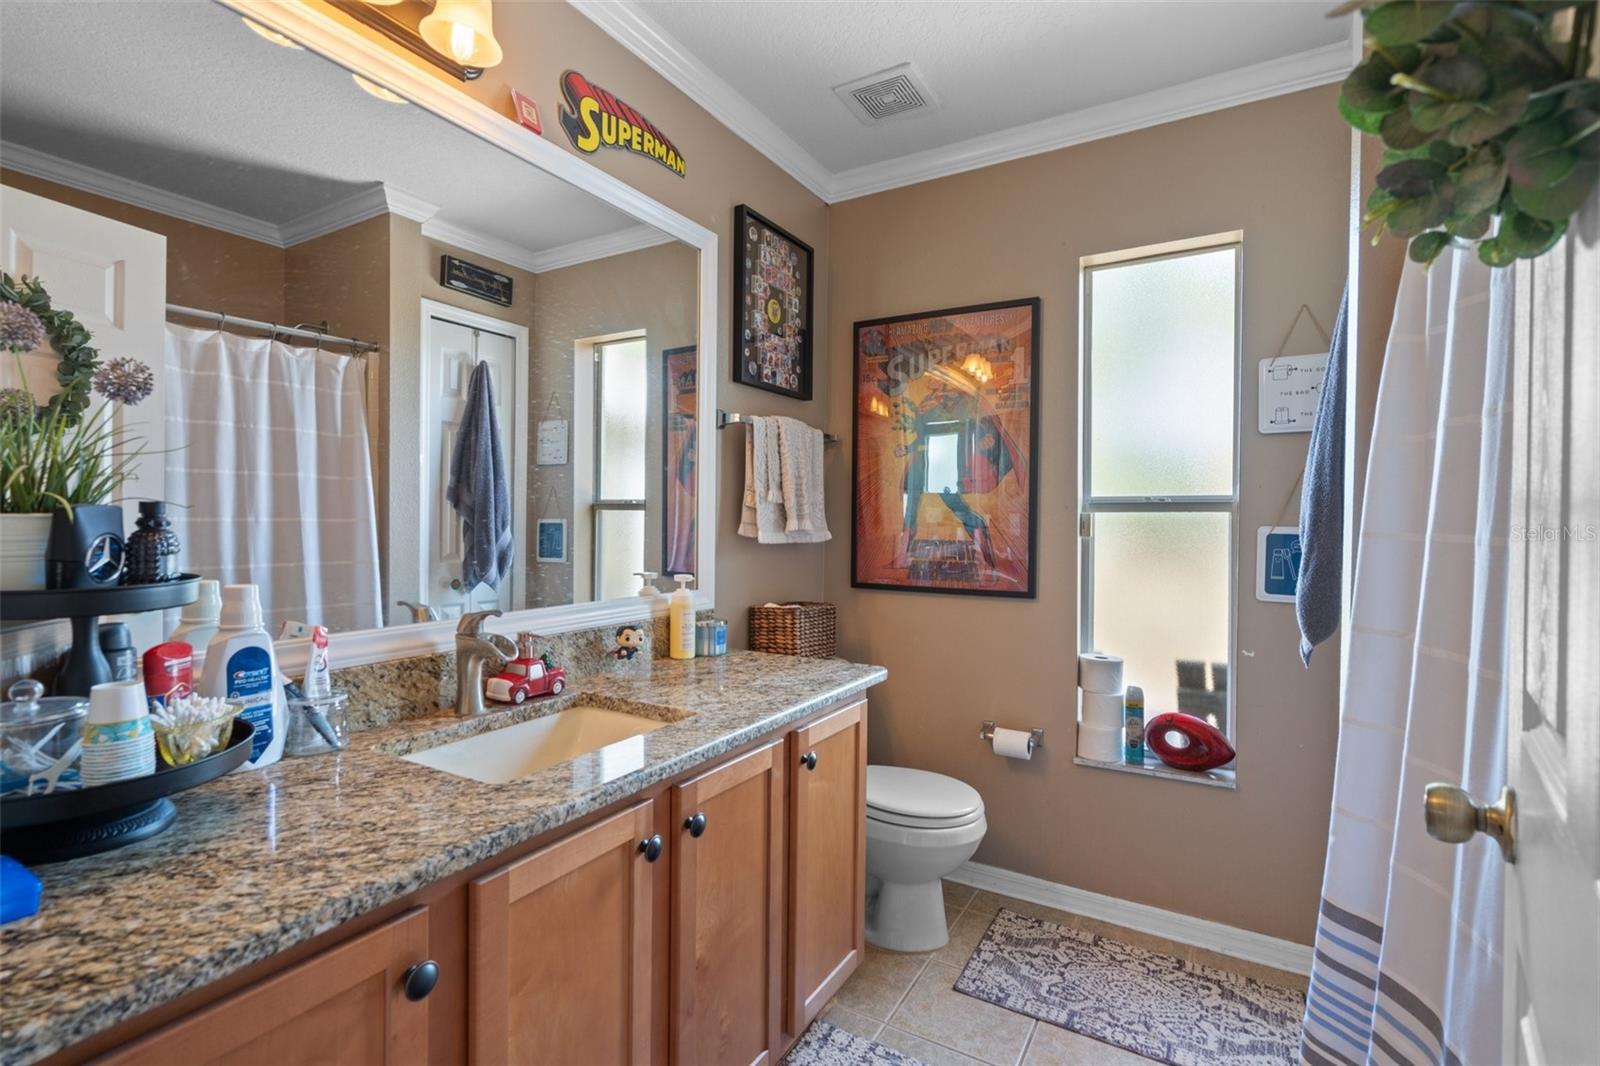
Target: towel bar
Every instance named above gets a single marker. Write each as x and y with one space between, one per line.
725 419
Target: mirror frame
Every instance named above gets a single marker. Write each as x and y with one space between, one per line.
321 33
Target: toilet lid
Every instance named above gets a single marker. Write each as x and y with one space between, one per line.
905 796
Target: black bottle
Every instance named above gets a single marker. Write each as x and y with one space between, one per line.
116 644
153 547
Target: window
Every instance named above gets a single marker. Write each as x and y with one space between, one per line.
1158 477
623 407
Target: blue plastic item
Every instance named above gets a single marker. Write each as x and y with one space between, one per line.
19 890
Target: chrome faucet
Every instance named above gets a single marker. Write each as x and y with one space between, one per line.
474 647
420 612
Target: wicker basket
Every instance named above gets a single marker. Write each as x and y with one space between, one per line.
806 629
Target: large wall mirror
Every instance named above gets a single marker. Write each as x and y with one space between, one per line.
370 310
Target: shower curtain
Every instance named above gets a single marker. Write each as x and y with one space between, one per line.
1407 960
270 461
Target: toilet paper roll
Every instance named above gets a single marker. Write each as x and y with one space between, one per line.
1099 672
1101 745
1102 710
1012 743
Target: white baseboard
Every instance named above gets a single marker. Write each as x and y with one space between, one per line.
1184 928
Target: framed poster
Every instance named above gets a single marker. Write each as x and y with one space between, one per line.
946 431
771 307
550 540
678 475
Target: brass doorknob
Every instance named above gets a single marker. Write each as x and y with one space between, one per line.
1452 817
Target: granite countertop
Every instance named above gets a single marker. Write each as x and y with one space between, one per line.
260 861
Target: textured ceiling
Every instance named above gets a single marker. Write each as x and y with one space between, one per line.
182 96
992 65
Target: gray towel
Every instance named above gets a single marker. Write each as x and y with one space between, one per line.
478 487
1316 593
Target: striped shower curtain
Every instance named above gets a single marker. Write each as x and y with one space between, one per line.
1407 965
270 467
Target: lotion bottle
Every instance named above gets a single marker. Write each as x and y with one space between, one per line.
241 667
680 613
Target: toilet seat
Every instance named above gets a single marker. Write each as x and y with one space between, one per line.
920 799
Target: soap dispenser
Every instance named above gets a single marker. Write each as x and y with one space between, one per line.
647 584
680 611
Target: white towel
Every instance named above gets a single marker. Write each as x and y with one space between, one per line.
800 467
783 491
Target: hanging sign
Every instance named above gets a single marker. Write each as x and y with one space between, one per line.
1277 563
527 111
1291 387
595 119
474 280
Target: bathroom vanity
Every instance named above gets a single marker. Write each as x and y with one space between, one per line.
692 893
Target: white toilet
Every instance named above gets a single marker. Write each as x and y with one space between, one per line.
920 827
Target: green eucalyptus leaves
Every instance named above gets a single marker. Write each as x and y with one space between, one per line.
1484 115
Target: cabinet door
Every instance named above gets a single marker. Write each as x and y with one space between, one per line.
346 1005
827 859
560 949
727 911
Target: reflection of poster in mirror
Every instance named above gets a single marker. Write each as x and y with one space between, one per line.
946 432
771 307
678 512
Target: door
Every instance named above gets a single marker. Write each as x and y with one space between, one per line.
561 949
356 1004
727 900
453 342
1552 950
827 860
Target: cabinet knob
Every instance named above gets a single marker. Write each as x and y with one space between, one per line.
695 823
420 979
651 846
809 760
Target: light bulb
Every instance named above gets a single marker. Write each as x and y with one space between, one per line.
462 30
461 41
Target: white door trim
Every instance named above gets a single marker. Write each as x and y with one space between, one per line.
517 446
1184 928
321 32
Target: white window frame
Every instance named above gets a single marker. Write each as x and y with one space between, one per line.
598 503
1090 505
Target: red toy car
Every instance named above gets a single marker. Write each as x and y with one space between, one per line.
523 678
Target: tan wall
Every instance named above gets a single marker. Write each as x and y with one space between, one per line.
543 39
1278 170
414 274
206 268
654 290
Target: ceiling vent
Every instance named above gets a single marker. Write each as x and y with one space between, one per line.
887 94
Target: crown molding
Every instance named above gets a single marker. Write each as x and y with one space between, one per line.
624 22
636 32
623 241
127 191
1275 77
471 240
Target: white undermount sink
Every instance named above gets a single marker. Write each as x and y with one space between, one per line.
512 753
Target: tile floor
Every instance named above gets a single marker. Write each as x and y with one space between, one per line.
906 1000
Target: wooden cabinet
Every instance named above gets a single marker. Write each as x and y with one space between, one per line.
561 948
727 911
347 1005
827 860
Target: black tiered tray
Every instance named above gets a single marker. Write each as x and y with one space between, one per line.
86 666
85 821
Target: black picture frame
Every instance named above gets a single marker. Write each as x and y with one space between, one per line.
1029 589
747 368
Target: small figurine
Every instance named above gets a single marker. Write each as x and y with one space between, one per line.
524 677
630 639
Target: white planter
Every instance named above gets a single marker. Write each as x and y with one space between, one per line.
22 542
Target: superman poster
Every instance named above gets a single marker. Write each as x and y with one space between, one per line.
946 431
678 512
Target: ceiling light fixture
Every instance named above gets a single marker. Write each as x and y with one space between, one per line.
464 31
372 88
271 35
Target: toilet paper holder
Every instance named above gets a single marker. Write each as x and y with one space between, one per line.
1035 736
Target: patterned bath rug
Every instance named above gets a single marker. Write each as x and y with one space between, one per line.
828 1045
1160 1006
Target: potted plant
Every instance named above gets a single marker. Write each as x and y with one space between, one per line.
60 456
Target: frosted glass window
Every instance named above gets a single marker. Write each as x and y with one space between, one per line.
943 471
1161 602
619 552
623 410
1161 349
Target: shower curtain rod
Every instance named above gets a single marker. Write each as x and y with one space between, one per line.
222 319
